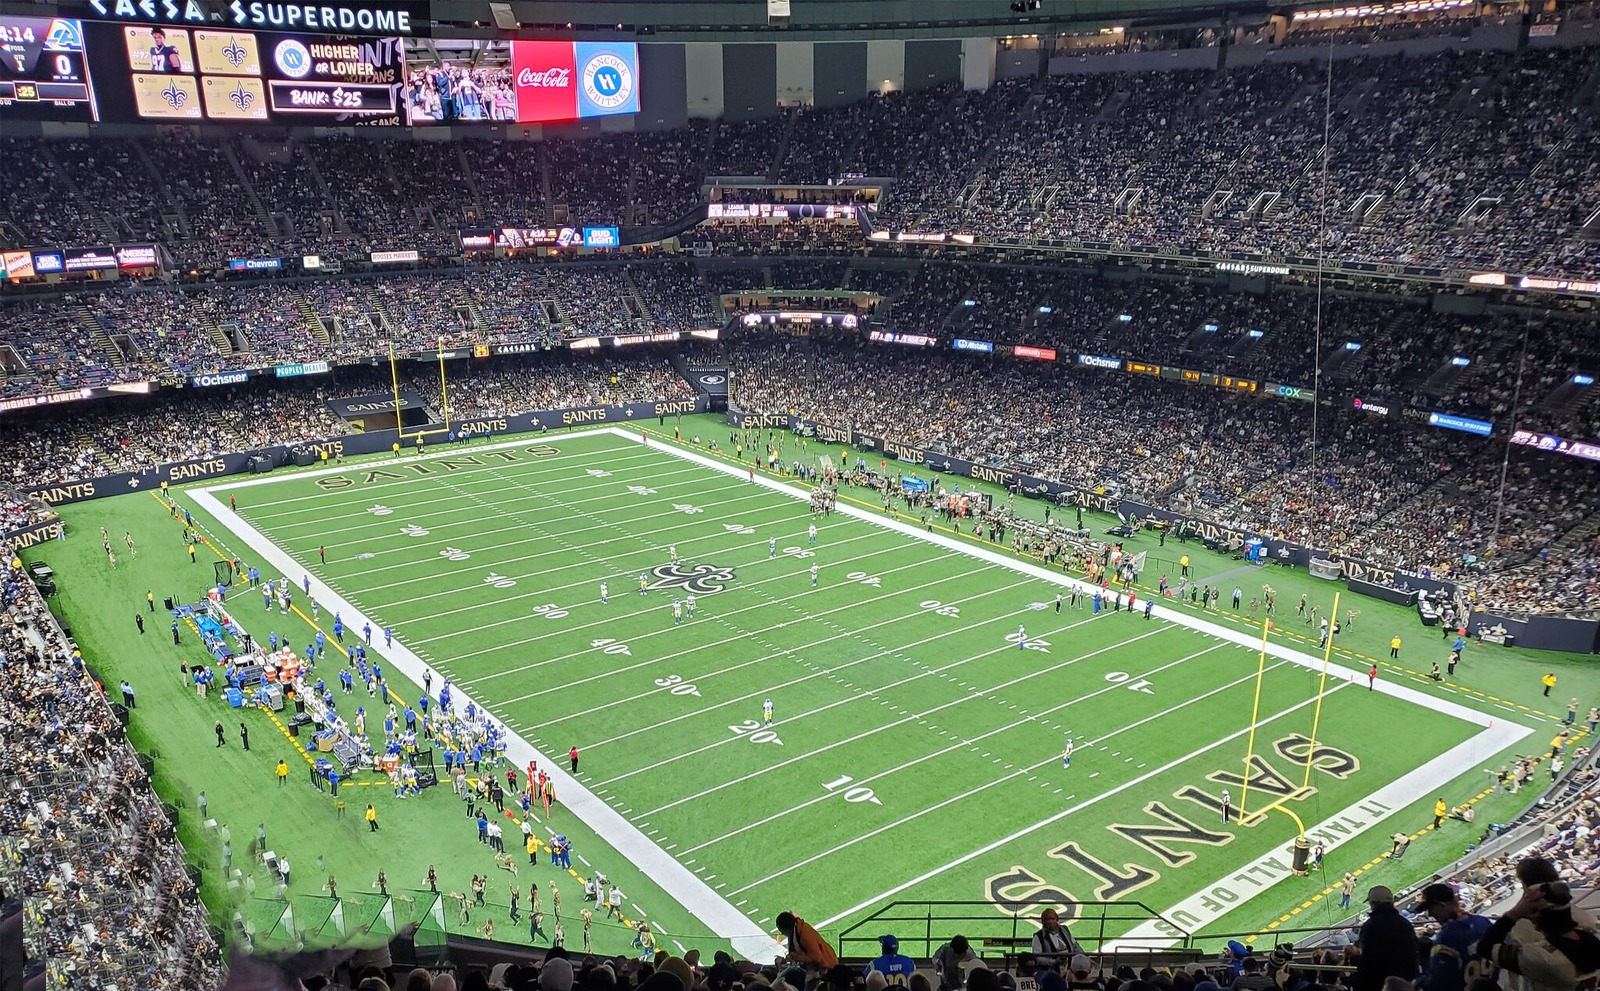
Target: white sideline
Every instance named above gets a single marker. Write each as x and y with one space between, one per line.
1496 734
714 911
1270 868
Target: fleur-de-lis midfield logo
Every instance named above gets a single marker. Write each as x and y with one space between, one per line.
701 579
235 53
241 97
174 96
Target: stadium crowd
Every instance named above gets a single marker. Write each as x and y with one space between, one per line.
108 900
1219 159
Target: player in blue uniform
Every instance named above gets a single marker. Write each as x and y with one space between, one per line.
1022 637
772 547
388 636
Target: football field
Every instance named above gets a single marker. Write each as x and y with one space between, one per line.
923 689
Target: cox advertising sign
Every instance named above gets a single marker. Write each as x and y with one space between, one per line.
564 80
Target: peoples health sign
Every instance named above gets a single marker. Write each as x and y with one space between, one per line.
566 80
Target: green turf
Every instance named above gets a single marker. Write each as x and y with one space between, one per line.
894 674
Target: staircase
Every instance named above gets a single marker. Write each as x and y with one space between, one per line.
97 333
219 336
268 225
464 173
319 330
775 167
333 204
638 297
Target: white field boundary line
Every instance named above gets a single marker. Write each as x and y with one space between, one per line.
710 908
994 845
1493 737
1200 909
1177 617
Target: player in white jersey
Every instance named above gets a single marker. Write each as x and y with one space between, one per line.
772 547
677 613
690 605
1022 637
811 535
766 712
813 576
1066 755
672 553
643 582
602 593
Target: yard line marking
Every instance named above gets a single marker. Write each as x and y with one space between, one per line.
610 826
953 747
408 461
1064 813
984 787
580 485
591 599
790 682
918 717
634 639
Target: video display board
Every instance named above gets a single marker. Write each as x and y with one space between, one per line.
44 70
525 82
168 73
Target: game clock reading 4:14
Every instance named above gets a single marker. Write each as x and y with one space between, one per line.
43 73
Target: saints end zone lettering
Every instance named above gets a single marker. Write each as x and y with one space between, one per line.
1168 837
458 462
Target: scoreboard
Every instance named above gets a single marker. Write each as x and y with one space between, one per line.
61 69
44 72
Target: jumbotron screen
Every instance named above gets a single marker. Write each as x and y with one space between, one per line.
518 82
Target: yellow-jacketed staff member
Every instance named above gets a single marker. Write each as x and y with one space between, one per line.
1439 811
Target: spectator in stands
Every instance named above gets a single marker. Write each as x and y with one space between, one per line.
1455 945
1054 941
1388 943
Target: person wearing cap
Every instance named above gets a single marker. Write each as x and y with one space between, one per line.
1053 942
1388 943
1456 943
896 969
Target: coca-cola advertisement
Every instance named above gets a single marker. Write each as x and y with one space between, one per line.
462 81
545 80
